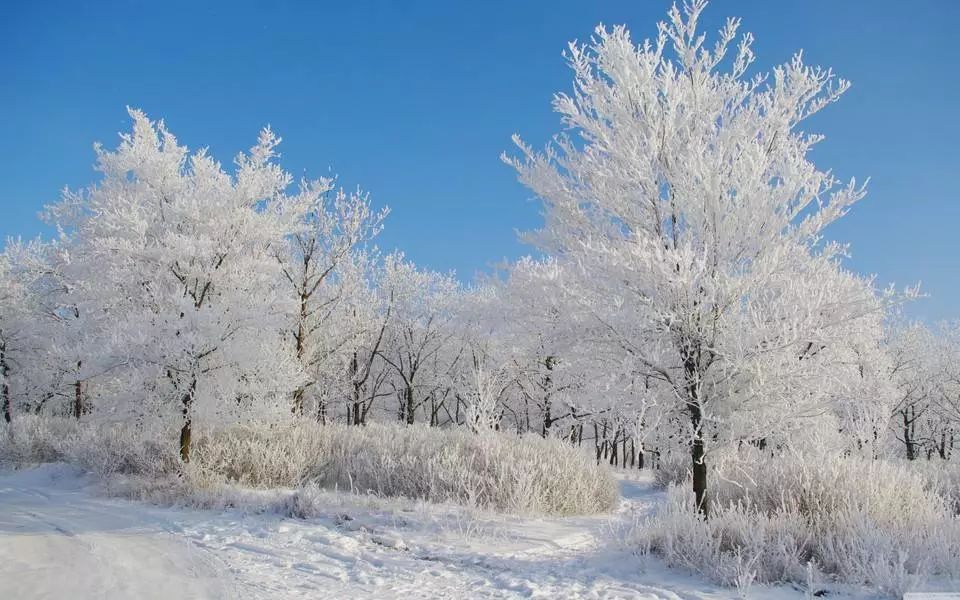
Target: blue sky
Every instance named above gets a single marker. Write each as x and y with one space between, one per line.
415 100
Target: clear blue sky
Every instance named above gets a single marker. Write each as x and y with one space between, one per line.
415 100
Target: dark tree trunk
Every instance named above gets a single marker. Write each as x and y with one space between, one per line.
78 408
299 340
697 450
77 400
700 474
547 389
908 434
596 441
5 388
355 399
186 431
411 410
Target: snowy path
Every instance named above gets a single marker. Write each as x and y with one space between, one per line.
59 539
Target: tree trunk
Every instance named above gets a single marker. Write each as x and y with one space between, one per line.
596 442
697 453
547 389
908 434
410 413
186 430
77 399
78 408
355 399
700 475
5 388
299 347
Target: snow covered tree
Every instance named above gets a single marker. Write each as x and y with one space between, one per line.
948 403
174 257
335 226
422 324
351 371
27 320
533 322
924 368
689 221
913 370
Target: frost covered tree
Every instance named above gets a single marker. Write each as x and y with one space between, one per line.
352 372
422 325
924 368
914 364
948 405
532 321
689 221
175 258
27 317
324 245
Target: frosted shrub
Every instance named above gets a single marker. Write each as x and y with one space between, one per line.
30 439
488 470
492 471
858 521
118 448
943 478
672 468
262 456
103 448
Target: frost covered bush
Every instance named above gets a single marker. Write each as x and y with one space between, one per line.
118 448
30 439
525 474
943 478
853 520
672 468
102 448
519 474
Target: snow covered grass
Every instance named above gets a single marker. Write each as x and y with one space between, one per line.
803 519
489 471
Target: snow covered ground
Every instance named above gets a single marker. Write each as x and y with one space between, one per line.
61 538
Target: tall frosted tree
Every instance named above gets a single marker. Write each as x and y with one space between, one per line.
688 218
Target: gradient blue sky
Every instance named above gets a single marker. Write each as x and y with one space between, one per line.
415 100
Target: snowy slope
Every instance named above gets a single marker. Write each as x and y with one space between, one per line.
60 539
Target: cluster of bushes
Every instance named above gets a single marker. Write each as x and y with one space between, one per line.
491 471
890 526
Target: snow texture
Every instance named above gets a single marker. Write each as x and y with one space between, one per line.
60 538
